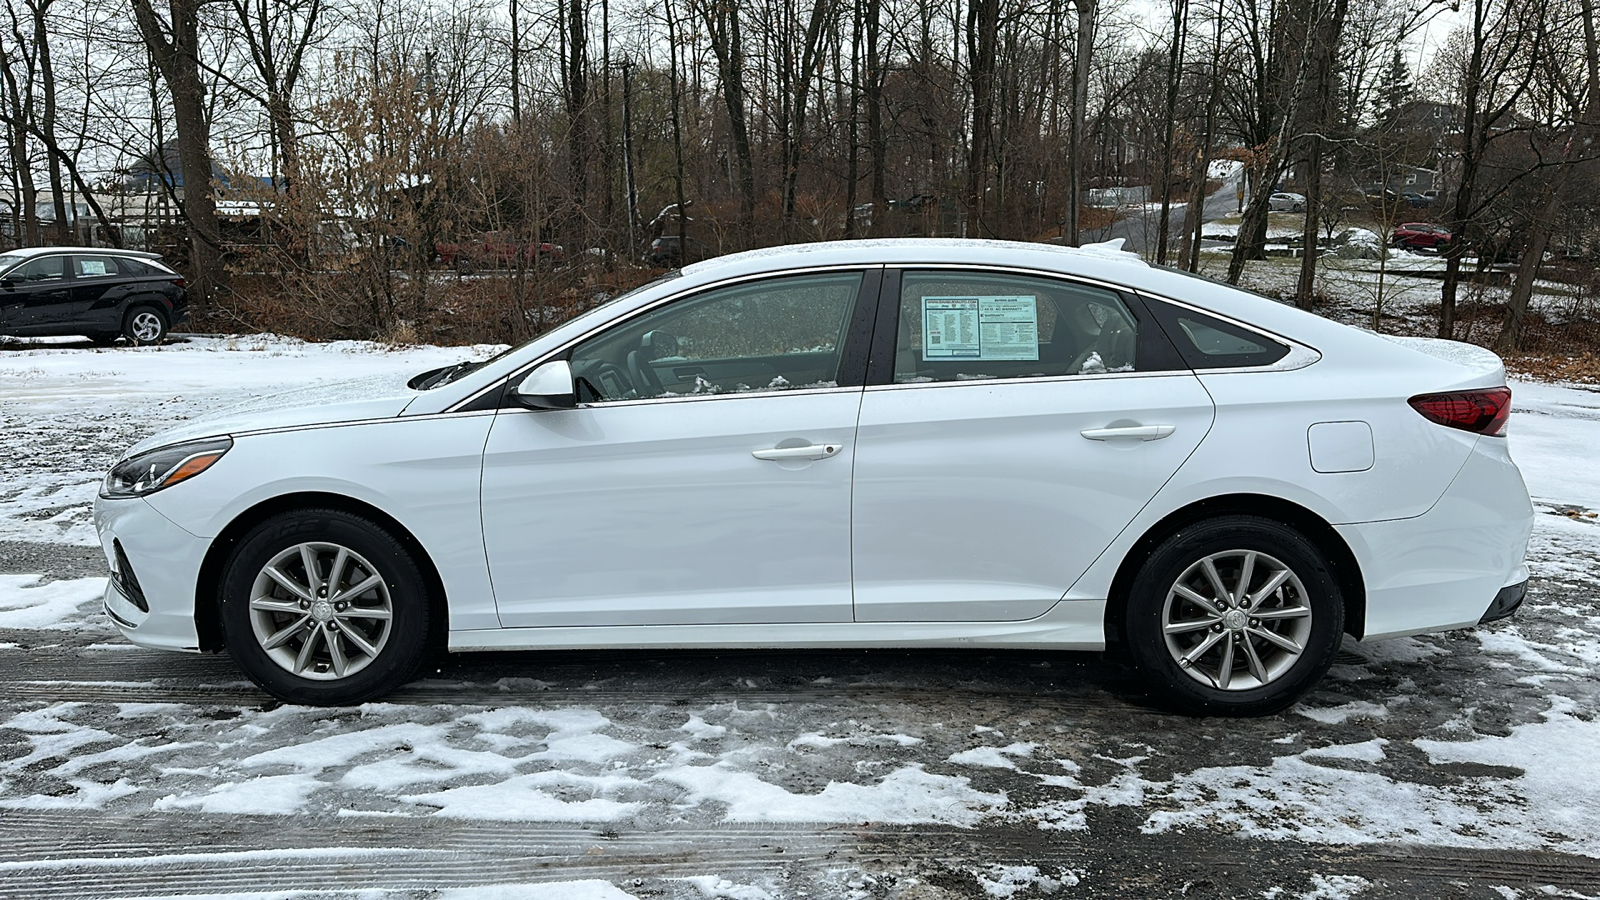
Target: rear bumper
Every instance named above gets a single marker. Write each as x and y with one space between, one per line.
1451 566
1508 601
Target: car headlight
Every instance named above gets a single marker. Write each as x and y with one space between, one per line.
162 467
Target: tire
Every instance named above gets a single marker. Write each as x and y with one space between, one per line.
1239 657
144 325
296 637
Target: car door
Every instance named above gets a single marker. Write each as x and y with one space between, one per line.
38 294
700 500
98 288
1013 424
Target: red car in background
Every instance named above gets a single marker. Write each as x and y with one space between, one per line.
498 249
1420 236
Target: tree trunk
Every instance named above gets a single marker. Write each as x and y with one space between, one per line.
17 100
1253 226
1510 339
983 26
1080 107
1461 209
1305 288
727 44
577 97
1511 328
677 132
801 96
1180 18
516 65
47 122
177 60
878 145
1322 114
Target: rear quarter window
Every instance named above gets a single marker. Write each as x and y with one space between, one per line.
1206 342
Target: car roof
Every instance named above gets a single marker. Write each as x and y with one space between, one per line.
97 251
1091 259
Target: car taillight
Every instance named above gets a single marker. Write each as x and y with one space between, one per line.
178 281
1480 412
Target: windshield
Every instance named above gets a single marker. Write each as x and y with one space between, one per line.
8 260
438 377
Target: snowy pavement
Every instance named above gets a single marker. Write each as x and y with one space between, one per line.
1461 764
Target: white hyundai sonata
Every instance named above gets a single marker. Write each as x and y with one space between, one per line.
913 443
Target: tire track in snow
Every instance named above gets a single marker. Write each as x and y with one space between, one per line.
87 854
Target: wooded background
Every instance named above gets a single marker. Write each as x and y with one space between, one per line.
304 160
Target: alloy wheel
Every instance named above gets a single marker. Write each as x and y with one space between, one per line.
1236 620
321 611
146 327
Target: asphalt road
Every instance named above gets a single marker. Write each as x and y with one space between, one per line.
1083 706
1139 226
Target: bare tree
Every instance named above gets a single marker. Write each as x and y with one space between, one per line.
174 47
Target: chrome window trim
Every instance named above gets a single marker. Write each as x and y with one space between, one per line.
499 384
1029 379
1298 357
1015 270
692 398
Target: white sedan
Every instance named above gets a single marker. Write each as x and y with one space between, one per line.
913 443
1283 201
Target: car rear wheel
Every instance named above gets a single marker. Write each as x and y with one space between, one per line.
325 608
144 325
1238 615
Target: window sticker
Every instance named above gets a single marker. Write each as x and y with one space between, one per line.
92 266
987 327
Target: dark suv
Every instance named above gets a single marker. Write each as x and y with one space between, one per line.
94 292
666 252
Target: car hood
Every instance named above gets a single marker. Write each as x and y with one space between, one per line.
375 397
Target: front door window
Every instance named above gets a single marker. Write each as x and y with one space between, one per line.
781 334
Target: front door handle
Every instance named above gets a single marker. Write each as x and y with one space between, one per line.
1137 432
810 451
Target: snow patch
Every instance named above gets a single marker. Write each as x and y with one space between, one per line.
993 757
70 605
908 795
269 795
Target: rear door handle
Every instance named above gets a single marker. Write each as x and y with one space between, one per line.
811 451
1137 432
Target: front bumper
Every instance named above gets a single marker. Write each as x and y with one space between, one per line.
162 561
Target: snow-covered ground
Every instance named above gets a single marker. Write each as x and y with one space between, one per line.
125 772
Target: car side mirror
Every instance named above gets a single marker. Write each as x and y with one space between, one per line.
658 344
548 387
7 284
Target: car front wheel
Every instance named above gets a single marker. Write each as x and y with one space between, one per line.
324 607
1238 615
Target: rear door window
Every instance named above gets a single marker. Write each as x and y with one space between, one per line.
964 326
95 267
